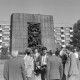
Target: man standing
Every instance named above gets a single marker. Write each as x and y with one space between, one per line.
54 67
14 68
29 64
43 63
72 66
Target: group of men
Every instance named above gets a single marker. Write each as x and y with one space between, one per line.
49 66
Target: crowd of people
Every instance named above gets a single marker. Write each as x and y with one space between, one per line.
59 64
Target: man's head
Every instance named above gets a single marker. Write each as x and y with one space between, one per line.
51 52
36 50
68 52
14 53
28 51
44 50
75 50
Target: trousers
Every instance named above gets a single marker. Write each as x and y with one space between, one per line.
43 72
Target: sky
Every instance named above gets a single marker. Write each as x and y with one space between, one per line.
63 11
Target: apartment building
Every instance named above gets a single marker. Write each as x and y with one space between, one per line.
4 36
63 35
0 38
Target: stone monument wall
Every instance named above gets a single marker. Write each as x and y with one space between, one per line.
19 30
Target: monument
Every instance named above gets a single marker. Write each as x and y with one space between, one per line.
31 30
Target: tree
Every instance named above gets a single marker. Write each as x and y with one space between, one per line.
75 40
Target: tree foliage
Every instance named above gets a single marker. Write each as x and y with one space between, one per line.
75 40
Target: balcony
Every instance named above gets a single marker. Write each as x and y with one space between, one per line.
71 35
62 30
71 30
62 35
63 46
62 40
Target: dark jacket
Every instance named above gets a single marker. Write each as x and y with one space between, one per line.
54 67
14 69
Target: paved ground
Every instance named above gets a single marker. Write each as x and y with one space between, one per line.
1 71
2 67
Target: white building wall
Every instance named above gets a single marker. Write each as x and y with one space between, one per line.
63 35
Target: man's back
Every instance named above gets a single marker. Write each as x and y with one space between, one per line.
74 67
55 67
15 69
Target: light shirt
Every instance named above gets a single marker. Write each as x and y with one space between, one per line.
44 60
70 53
36 56
53 54
76 54
25 56
61 52
29 65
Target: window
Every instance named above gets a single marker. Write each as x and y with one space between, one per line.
58 38
61 27
67 33
71 33
0 37
62 43
0 26
68 38
62 32
70 28
0 31
58 33
0 43
62 37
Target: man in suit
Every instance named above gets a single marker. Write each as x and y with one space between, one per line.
72 66
43 62
54 67
14 68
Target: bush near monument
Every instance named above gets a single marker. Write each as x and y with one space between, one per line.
4 53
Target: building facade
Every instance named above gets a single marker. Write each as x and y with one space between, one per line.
63 35
4 36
